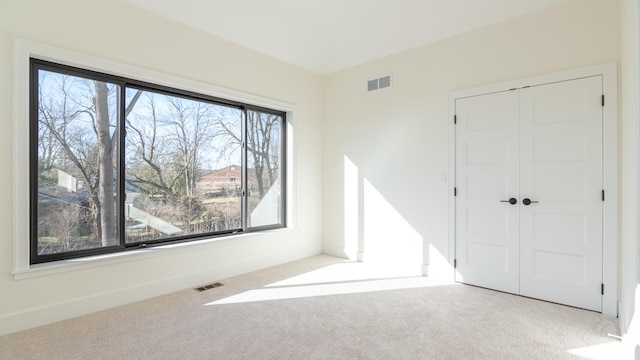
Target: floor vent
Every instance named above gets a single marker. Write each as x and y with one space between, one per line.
379 83
210 286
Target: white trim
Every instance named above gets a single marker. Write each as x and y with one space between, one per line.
451 249
292 172
636 114
610 184
23 51
621 320
610 167
62 266
425 270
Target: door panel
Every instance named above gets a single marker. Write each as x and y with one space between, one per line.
487 158
543 143
561 167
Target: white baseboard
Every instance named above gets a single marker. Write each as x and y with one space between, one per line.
623 332
339 252
56 312
621 320
437 272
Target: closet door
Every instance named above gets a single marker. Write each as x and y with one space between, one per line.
487 226
529 192
561 173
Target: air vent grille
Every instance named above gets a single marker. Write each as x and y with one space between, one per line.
379 83
372 85
210 286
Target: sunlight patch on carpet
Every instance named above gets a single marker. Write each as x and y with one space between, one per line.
351 271
607 351
342 288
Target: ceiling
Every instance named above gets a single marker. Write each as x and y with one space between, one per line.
330 35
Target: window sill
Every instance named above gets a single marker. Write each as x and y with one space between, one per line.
57 267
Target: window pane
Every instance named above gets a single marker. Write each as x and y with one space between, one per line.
77 152
264 168
183 167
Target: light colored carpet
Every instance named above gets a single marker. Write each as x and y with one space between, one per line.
326 308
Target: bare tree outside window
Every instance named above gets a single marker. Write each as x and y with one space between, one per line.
189 165
174 148
264 166
76 175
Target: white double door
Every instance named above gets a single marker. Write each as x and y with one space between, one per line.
540 148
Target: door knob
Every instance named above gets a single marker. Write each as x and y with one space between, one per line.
528 201
511 201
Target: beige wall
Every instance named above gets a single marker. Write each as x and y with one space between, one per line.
396 141
113 31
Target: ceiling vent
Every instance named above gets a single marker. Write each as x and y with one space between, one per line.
379 83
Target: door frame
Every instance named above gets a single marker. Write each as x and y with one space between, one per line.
610 166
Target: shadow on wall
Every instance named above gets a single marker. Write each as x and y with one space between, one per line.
374 230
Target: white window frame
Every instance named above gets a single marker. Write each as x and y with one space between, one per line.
23 51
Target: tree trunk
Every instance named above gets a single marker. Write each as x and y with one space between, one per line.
106 190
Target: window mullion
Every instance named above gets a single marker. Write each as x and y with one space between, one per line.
121 129
283 170
245 190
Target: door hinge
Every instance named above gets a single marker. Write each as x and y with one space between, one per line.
455 263
455 191
602 195
601 289
455 119
603 100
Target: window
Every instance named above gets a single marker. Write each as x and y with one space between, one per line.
118 163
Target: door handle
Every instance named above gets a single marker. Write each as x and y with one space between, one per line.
511 201
528 201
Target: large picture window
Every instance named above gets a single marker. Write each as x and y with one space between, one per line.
118 163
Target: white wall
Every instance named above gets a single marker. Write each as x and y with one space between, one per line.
114 31
396 140
385 153
629 290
